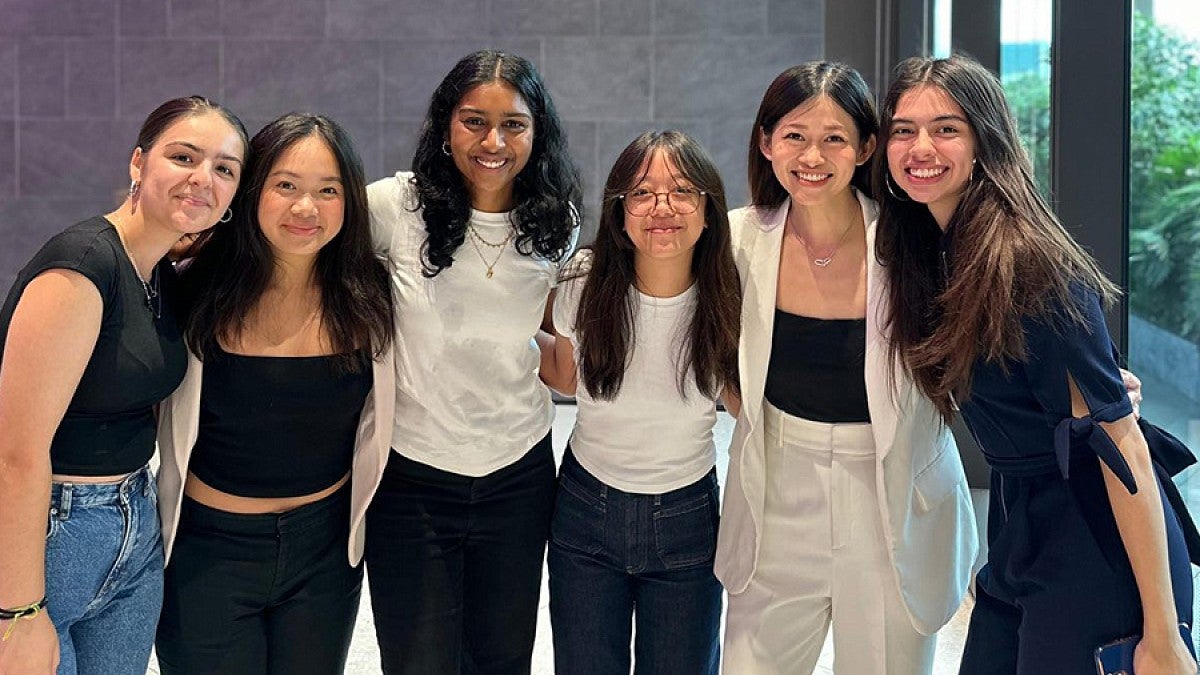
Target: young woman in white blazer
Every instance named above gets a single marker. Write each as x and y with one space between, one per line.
277 438
846 499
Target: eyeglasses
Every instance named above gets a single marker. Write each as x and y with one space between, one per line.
682 200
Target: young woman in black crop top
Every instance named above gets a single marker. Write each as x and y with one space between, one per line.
90 346
289 329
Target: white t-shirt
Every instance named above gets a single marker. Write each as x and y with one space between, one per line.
468 397
649 439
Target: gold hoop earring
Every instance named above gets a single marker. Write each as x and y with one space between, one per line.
887 181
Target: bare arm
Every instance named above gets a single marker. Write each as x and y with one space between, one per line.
558 368
732 401
50 339
1140 520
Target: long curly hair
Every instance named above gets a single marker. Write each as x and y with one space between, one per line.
604 321
1006 258
546 192
226 280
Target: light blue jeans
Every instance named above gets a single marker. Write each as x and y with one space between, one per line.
104 574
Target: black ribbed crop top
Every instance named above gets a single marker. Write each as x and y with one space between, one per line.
277 426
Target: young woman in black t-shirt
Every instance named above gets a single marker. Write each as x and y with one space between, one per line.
90 346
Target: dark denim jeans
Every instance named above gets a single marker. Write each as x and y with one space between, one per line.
104 574
615 555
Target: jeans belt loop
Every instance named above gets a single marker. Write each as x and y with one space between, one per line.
64 500
657 500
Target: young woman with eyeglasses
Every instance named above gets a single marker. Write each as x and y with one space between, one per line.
473 239
646 321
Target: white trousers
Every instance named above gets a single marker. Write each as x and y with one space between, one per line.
822 558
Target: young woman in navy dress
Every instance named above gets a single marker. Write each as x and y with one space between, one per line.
997 314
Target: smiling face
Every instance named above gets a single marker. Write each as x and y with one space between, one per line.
931 150
814 150
663 232
302 203
188 177
491 139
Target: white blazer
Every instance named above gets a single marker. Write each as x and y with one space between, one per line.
179 426
924 501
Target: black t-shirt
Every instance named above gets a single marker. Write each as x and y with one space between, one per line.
138 359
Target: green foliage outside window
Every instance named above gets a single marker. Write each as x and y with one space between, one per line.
1028 95
1164 230
1164 168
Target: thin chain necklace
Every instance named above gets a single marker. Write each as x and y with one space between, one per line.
477 240
823 261
149 288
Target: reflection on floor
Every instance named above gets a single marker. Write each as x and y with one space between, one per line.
364 653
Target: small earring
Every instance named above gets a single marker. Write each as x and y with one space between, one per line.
887 181
227 217
133 187
446 148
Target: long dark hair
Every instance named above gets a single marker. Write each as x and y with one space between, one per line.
546 192
795 87
605 319
1009 258
229 275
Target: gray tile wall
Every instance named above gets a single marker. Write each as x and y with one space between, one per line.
77 76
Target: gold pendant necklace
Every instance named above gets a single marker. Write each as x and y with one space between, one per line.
477 240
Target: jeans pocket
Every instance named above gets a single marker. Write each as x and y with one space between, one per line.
686 534
578 522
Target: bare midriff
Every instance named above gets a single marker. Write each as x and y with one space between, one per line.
211 497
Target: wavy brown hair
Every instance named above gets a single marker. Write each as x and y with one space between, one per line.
1004 259
604 321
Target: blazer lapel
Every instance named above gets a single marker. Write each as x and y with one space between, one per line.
758 304
185 411
883 395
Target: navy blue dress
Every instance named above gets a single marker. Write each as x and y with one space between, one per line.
1058 583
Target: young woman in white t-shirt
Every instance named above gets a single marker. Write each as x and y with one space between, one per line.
473 237
635 522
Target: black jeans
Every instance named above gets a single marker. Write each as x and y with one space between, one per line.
270 593
455 565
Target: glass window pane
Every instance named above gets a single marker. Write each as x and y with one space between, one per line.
1026 27
1164 218
942 13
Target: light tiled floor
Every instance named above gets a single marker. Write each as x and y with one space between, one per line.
364 653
